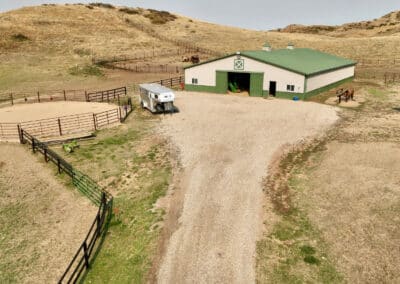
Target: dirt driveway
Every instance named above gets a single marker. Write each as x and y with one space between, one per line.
225 145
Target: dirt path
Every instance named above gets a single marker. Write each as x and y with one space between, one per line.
42 222
29 112
226 143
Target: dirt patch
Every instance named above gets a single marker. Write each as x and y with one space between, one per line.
224 140
29 112
43 221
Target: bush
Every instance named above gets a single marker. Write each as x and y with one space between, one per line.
19 37
160 17
130 11
311 260
102 5
87 70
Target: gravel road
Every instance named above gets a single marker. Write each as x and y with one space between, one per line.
225 145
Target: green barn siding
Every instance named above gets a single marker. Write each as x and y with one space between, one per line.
200 88
327 88
256 84
222 82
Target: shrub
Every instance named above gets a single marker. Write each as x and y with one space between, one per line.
130 11
311 260
102 5
19 37
160 17
307 250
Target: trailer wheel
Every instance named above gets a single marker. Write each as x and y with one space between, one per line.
142 104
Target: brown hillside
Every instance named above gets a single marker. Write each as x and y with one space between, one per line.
386 25
49 40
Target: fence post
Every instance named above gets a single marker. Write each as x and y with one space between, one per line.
171 82
59 126
65 96
119 101
12 99
119 114
21 134
45 155
98 223
85 253
33 145
86 96
38 96
94 122
59 165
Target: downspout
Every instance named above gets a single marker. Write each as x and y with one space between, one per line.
305 87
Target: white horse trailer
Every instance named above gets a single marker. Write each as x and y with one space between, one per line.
156 98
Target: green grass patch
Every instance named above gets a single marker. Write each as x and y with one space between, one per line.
140 172
86 70
294 251
377 92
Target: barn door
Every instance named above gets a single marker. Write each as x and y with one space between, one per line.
222 82
256 84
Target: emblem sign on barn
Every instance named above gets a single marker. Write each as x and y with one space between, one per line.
239 64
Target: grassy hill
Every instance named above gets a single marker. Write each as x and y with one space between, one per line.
386 25
51 46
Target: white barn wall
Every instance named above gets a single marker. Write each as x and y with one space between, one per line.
325 79
206 73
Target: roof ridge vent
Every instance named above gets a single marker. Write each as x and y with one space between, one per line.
267 47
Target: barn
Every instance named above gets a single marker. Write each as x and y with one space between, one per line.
283 73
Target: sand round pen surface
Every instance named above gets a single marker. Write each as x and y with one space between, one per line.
29 112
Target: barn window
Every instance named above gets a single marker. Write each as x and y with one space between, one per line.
194 81
290 88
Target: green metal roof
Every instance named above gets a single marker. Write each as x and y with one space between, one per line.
303 61
300 60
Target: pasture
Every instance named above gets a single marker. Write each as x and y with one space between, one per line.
229 189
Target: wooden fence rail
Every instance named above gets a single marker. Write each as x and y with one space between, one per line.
100 197
172 82
66 125
60 95
146 68
147 54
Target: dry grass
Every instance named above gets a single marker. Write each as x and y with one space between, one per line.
64 36
341 199
386 25
38 215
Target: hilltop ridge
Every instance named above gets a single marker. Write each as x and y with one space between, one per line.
383 26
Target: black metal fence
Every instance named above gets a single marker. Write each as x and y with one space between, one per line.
100 197
113 95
